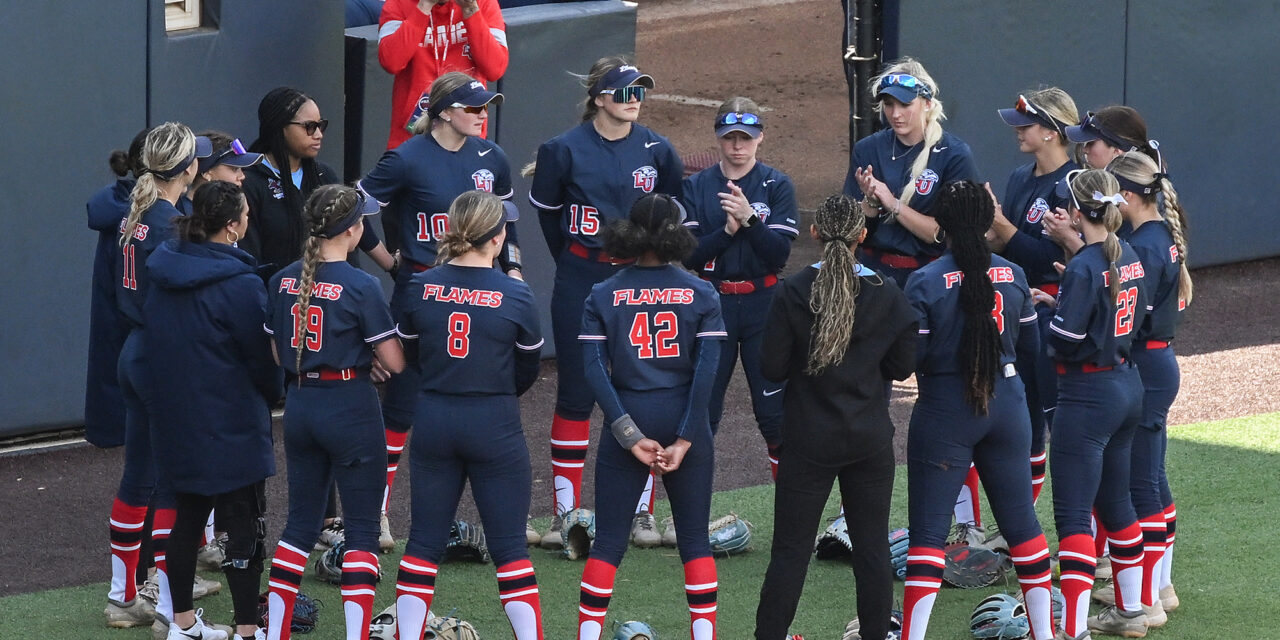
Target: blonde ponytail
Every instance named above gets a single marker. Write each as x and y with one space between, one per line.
165 147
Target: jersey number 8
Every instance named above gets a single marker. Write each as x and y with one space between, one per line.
660 341
313 328
459 342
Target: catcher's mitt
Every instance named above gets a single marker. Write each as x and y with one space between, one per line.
729 535
329 564
449 628
853 630
971 567
899 544
833 543
579 533
306 613
633 630
466 542
999 616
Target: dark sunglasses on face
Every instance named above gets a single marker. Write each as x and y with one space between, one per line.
749 119
310 126
471 110
626 94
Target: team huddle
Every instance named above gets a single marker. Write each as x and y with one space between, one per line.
223 286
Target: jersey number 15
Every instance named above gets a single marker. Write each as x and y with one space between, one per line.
657 340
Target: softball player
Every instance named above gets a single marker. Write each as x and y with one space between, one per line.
837 332
227 161
651 336
213 382
743 214
330 324
1040 119
588 177
416 182
1101 300
168 166
478 347
1110 132
1161 245
976 321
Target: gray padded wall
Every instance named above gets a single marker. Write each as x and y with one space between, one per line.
1162 57
74 78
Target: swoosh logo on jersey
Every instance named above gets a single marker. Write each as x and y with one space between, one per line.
484 153
937 149
650 144
772 393
766 182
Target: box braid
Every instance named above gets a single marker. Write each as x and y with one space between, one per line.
840 223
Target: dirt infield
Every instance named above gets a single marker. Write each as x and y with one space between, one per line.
782 53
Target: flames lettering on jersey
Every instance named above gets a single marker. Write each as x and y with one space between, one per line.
139 232
1128 272
646 178
926 181
652 296
1037 210
444 35
459 295
1173 253
323 290
483 179
997 275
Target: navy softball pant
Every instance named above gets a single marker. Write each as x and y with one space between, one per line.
1092 443
620 478
469 438
138 486
400 394
574 278
333 432
1158 369
744 317
946 435
1040 381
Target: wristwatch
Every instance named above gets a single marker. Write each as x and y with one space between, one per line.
751 220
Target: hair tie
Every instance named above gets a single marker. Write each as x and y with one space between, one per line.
1115 199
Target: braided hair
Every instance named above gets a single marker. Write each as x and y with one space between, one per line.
214 205
840 224
276 110
1139 168
964 212
327 205
654 225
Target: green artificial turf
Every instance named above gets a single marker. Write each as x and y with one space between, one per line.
1225 476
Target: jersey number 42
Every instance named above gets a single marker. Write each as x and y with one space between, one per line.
657 340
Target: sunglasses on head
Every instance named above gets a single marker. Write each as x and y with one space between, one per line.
1094 125
749 119
907 81
236 148
626 94
310 126
1026 108
469 109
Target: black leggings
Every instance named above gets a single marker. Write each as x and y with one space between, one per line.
866 487
239 512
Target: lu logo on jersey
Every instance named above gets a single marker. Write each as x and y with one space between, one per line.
646 178
762 210
484 180
926 181
1037 210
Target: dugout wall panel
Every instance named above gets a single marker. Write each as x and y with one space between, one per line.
74 80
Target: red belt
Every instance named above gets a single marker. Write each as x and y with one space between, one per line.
1151 345
594 255
741 287
327 373
896 260
1087 367
1050 288
418 267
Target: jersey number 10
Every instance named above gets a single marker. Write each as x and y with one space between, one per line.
658 341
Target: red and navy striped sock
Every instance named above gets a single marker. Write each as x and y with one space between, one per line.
1037 475
1153 535
161 527
415 587
773 451
924 578
359 586
1031 563
593 600
287 567
1171 527
1126 566
126 525
396 437
518 593
700 591
569 440
1077 560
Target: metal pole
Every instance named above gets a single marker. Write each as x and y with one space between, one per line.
861 41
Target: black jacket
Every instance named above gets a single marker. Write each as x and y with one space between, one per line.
276 231
842 415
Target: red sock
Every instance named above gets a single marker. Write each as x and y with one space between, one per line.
1153 535
287 567
359 585
396 438
415 587
1099 537
1126 566
924 578
518 593
593 600
569 440
700 589
1077 561
126 539
1037 475
1031 563
161 527
773 459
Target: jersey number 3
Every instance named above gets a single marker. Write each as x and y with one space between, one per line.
313 328
658 340
1125 302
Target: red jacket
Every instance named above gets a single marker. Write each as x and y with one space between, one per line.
476 46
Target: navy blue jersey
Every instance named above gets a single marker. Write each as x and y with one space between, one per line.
934 291
650 319
755 251
1154 245
949 160
471 325
347 315
1087 327
154 227
418 180
1027 199
591 181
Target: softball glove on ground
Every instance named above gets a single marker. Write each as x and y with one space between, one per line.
730 535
